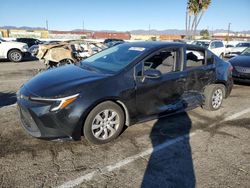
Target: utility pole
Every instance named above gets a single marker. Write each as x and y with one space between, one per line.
229 24
83 25
47 25
212 35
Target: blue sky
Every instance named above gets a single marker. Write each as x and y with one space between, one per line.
121 15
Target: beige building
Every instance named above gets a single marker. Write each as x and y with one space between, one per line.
145 37
15 33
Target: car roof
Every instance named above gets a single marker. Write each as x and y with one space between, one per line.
27 38
203 40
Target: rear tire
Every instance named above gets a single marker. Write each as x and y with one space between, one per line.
213 96
104 123
15 55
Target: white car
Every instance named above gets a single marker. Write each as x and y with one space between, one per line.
14 51
237 50
215 46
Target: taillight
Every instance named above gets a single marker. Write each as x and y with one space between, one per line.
231 68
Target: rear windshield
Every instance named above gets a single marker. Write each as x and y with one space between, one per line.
243 45
201 43
246 52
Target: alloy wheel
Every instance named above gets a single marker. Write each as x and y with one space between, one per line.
217 98
15 56
105 124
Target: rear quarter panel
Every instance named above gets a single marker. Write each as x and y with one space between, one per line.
224 74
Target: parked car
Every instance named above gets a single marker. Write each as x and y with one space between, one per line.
29 41
237 50
241 66
113 43
33 50
112 40
215 46
65 52
14 51
120 86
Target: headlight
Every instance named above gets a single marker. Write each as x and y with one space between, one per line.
25 48
58 103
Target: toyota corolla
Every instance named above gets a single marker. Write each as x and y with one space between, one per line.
121 86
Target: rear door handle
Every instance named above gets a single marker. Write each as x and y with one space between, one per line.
182 79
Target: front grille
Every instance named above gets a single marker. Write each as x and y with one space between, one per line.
28 122
245 70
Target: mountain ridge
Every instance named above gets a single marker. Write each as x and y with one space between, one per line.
136 31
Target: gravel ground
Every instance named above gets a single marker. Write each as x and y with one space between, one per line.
193 149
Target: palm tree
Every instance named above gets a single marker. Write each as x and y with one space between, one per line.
195 10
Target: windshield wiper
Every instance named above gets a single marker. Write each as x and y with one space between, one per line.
88 67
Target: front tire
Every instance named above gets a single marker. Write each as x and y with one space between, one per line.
104 123
15 55
213 96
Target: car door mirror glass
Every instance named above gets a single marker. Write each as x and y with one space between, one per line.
152 73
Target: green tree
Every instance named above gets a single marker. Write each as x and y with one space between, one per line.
204 33
194 12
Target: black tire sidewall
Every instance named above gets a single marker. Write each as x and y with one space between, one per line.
87 132
209 96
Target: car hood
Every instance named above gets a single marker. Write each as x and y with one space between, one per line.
14 44
238 49
59 82
241 60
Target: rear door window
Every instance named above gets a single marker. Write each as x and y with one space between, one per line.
194 58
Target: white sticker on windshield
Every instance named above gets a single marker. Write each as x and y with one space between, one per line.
140 49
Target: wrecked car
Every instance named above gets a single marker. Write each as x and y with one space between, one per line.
120 86
67 52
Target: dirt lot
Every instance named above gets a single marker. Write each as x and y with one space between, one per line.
194 149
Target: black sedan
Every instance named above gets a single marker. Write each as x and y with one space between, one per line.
241 66
120 86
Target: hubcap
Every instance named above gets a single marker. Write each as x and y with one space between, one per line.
105 124
217 98
15 56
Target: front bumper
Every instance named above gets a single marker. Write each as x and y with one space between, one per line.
243 80
241 77
37 120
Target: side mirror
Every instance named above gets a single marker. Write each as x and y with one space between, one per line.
152 73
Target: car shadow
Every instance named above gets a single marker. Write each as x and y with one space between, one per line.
8 98
242 83
25 59
170 166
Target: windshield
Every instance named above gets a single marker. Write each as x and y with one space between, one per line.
201 43
113 59
246 52
243 45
